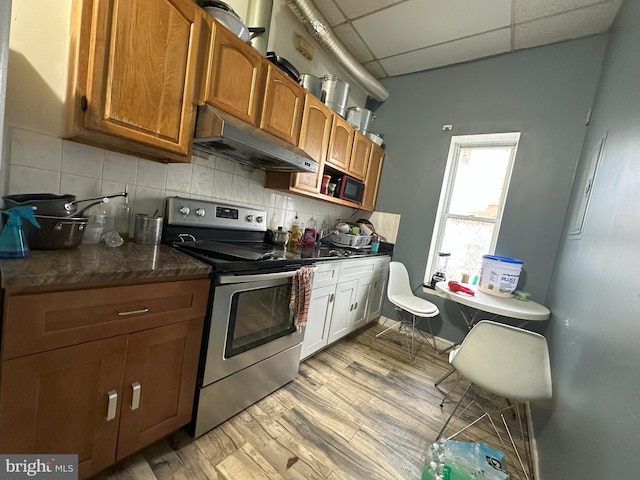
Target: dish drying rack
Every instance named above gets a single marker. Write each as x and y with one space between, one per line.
350 241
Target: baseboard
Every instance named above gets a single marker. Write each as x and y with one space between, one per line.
442 343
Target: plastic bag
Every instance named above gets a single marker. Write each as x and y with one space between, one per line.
454 460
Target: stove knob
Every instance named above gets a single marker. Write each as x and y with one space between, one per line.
200 212
249 218
185 210
259 219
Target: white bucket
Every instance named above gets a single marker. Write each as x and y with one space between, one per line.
499 275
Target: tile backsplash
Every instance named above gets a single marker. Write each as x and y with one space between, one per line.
39 163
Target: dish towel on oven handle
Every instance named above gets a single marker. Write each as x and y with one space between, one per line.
300 295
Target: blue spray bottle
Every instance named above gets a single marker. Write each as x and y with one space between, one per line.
12 242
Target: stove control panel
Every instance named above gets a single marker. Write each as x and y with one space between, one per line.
203 213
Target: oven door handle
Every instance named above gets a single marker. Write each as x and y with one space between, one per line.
228 279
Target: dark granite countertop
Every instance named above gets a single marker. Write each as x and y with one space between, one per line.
96 264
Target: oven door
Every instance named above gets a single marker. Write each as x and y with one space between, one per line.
250 321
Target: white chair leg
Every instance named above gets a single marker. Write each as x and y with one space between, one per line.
412 328
397 325
455 409
444 377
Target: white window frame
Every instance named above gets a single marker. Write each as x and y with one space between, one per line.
510 139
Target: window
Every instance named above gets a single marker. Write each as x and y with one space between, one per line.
474 191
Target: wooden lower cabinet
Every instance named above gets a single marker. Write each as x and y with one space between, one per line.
159 384
106 398
56 402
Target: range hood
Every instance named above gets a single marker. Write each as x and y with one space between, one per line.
223 135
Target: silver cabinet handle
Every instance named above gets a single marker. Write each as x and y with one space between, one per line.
112 395
355 306
332 297
351 307
133 312
135 397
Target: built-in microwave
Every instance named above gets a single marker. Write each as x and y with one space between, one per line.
348 188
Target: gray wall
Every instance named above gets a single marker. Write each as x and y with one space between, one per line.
592 429
5 21
545 93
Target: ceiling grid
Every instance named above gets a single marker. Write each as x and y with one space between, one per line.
396 37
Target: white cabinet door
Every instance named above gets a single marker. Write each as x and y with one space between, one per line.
376 296
360 309
342 310
316 333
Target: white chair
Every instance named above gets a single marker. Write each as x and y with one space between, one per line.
399 293
506 361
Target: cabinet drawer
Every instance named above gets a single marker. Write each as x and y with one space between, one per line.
355 269
45 321
325 274
381 264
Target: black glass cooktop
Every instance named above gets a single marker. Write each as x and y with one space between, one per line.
227 256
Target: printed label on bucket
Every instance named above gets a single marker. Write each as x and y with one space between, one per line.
508 282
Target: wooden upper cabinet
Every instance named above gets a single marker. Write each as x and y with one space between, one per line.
314 140
139 62
283 105
373 178
341 143
360 156
235 76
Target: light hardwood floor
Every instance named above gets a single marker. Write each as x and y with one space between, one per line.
358 410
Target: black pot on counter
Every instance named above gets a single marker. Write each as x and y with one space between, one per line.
52 205
46 203
55 233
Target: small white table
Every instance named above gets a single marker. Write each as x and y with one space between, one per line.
473 306
499 306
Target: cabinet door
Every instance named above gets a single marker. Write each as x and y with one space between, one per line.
360 306
58 402
316 333
142 67
376 297
159 384
373 178
340 143
360 154
314 140
342 310
283 106
235 76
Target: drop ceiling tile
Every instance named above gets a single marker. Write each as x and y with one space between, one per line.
375 69
358 8
331 12
479 46
526 10
353 42
566 26
417 24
